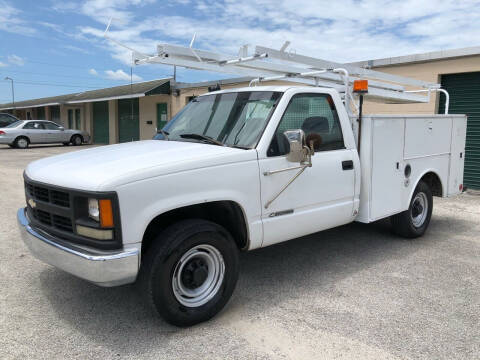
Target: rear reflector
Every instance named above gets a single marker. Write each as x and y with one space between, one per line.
2 132
460 187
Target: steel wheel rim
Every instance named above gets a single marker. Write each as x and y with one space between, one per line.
22 143
194 297
419 202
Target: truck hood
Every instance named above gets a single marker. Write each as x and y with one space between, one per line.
106 167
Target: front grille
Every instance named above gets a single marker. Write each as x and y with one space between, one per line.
60 222
43 216
56 197
60 198
56 211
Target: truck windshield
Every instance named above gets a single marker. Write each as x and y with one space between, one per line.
233 119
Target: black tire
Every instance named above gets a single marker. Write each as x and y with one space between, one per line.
12 146
66 143
404 224
157 272
76 140
21 142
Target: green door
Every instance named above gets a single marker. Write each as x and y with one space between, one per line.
464 91
100 123
162 115
78 121
41 113
128 126
70 118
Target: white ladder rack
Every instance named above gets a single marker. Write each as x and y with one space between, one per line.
267 64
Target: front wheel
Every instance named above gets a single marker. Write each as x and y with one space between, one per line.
414 222
190 271
77 140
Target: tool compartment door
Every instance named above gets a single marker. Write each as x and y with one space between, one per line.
427 136
386 173
457 156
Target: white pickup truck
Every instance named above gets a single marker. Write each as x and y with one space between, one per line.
235 170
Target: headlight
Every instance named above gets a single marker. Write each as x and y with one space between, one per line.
101 211
93 209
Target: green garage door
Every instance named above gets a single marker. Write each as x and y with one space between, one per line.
128 127
100 123
464 90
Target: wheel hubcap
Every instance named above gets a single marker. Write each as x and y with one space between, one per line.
198 275
419 209
22 143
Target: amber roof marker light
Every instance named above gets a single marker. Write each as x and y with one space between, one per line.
360 86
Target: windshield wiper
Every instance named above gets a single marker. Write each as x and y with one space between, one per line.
164 133
202 137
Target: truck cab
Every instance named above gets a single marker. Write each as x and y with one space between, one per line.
234 170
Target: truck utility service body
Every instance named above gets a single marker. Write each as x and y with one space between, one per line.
244 186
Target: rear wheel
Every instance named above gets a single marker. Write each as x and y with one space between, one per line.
77 140
190 271
414 222
21 142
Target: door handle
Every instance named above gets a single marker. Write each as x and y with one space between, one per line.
347 165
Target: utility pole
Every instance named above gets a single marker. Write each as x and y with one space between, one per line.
13 92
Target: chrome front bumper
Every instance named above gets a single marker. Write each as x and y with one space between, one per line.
104 268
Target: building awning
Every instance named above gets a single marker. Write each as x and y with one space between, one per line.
135 90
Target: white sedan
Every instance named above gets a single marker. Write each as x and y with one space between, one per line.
22 133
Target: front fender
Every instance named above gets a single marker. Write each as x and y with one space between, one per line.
142 201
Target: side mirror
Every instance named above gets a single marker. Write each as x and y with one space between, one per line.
298 152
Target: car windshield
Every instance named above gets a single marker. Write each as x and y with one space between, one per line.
15 124
233 119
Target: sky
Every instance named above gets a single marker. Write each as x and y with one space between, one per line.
52 47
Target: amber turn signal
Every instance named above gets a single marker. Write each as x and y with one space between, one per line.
106 213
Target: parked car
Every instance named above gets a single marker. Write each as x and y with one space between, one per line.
6 119
22 133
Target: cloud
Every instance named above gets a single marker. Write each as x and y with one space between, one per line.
77 49
350 30
121 75
2 64
16 60
11 21
93 72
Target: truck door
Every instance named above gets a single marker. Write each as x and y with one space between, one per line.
322 196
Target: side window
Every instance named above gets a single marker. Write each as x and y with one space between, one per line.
50 126
33 125
316 115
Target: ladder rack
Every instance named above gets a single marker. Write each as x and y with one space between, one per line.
267 64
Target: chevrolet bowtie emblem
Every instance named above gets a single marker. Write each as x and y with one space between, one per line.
32 203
